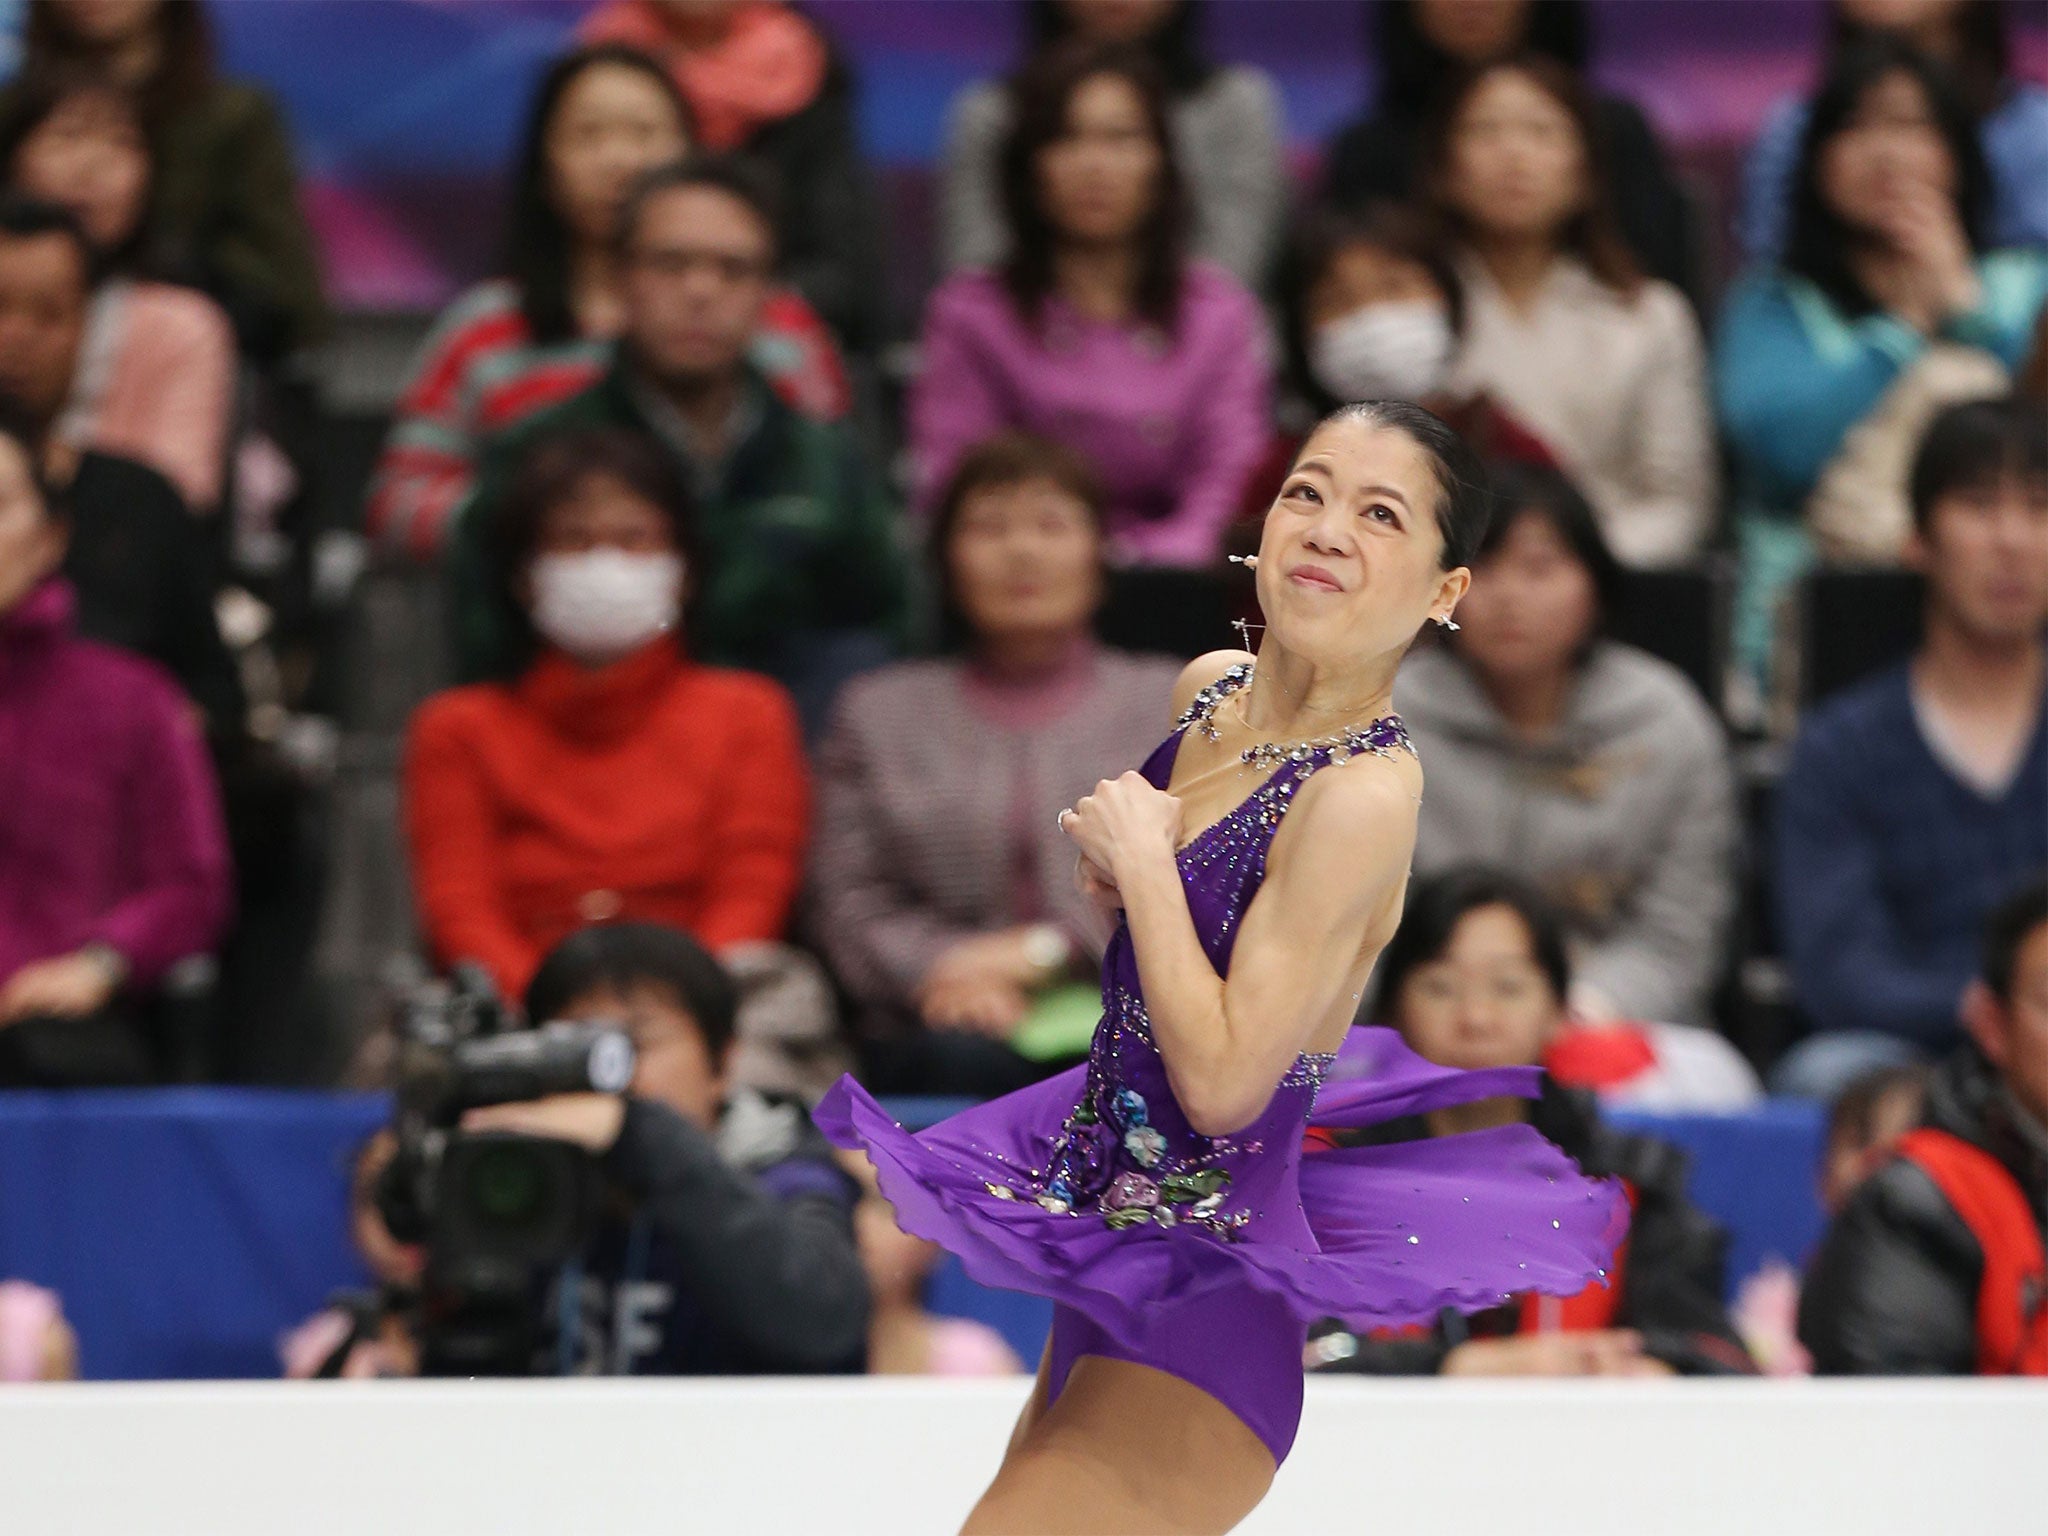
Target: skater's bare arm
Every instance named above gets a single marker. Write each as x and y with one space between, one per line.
1335 870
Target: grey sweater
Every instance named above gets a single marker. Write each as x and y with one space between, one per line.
1227 135
1626 817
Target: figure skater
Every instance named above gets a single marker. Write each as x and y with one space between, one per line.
1160 1194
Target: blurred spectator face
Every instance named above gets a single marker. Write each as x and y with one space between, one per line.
1911 17
1117 21
602 512
103 22
1350 557
1025 559
695 280
1516 165
90 156
610 126
1483 1002
1100 180
43 290
1985 555
676 1066
31 541
1473 31
2013 1030
1379 326
1532 606
1891 145
41 320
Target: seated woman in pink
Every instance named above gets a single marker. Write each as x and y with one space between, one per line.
156 370
1098 331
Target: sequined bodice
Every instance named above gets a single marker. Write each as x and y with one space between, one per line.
1126 1153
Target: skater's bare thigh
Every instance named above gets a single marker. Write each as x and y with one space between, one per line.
1126 1449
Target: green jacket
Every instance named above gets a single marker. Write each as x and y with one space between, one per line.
798 538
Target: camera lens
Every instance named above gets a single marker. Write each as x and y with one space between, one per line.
507 1186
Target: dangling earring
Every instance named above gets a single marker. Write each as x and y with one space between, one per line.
1448 625
1249 562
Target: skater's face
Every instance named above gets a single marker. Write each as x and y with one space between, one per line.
696 277
611 125
1025 562
1532 606
1485 1001
1350 559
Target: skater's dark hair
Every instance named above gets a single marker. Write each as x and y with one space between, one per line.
1435 908
1463 504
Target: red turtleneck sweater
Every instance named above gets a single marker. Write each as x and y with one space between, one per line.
652 789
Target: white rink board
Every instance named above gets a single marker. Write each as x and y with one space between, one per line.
905 1457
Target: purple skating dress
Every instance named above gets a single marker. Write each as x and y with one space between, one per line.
1208 1257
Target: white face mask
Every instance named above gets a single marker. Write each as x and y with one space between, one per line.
1383 352
604 603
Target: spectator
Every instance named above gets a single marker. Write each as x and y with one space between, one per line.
1882 280
1476 977
1371 310
1098 331
1586 766
136 559
1934 1267
904 1337
542 331
945 898
1865 1123
1970 40
36 1343
113 863
1561 329
803 579
224 199
1226 135
609 776
158 385
738 1255
763 82
1423 47
1915 800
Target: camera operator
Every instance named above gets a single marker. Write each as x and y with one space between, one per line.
729 1246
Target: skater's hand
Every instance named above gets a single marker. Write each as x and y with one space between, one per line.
1126 818
1096 885
1598 1352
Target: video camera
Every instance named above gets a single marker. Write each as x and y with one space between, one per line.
494 1210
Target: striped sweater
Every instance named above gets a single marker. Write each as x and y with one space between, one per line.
480 371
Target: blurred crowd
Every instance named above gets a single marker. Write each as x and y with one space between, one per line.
757 640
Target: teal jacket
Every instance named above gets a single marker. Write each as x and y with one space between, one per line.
1793 374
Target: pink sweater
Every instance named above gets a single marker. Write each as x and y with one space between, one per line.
1173 423
156 383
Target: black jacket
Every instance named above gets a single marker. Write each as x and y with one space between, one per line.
1893 1291
140 563
1671 1284
734 1254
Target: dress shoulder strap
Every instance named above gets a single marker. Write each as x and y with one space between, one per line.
1202 711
